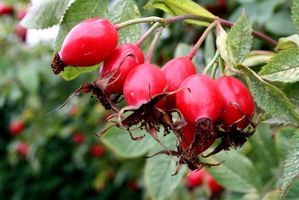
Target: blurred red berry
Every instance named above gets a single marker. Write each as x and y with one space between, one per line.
22 149
195 178
73 111
214 187
78 138
21 32
133 185
5 9
97 150
21 14
16 127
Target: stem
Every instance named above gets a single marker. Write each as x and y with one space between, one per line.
152 46
214 70
201 39
147 33
255 33
154 19
211 63
138 21
221 66
170 20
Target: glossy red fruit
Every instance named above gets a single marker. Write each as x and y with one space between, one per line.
21 32
232 90
89 43
195 178
175 72
21 14
199 98
23 149
16 127
78 138
214 187
5 9
117 66
143 83
97 150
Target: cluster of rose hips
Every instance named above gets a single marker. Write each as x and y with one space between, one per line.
193 106
19 30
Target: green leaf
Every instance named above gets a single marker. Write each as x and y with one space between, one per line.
179 7
159 169
271 99
158 176
257 57
273 195
293 192
264 151
283 67
46 13
71 73
283 138
239 40
158 172
77 12
291 166
288 42
221 41
120 142
122 11
295 13
236 173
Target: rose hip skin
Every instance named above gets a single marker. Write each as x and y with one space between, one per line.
214 187
97 150
89 43
22 149
16 127
175 72
5 9
234 91
21 14
143 83
78 138
195 178
199 98
117 66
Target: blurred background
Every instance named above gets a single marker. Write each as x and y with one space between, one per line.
57 155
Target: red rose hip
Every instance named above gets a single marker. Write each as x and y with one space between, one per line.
97 150
16 127
175 72
22 149
88 43
236 101
199 98
5 9
143 83
117 67
214 187
195 178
